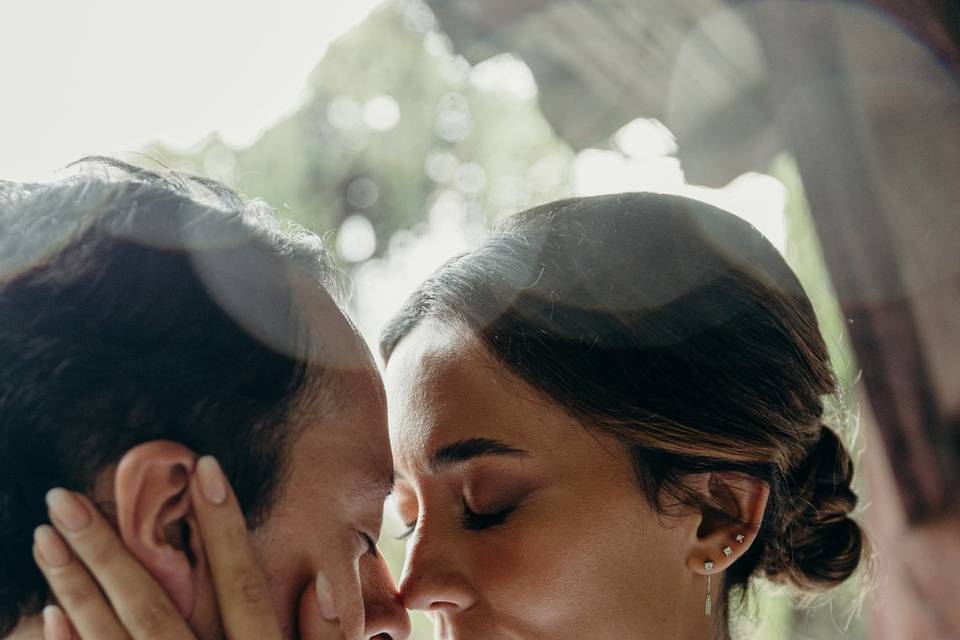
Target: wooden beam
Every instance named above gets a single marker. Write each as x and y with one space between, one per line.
831 132
935 22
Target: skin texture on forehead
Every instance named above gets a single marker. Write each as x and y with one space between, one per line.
581 555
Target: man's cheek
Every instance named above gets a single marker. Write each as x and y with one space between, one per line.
312 624
285 580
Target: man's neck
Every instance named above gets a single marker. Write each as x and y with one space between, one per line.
28 629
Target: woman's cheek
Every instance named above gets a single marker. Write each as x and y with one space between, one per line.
543 577
520 569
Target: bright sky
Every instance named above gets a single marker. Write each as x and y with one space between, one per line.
109 76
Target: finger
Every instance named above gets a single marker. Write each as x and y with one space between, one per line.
56 626
246 607
346 601
139 602
75 590
318 617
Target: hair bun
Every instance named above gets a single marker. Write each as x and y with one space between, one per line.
818 545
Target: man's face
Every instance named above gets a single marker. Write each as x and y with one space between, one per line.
326 517
331 506
328 514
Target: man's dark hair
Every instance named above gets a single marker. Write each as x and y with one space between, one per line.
137 306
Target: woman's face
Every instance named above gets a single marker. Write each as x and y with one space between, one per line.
527 525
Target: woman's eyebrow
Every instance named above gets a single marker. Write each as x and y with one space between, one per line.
463 450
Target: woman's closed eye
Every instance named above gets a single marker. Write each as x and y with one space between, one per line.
471 520
409 532
479 521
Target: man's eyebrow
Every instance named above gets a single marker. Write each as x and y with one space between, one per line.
379 484
463 450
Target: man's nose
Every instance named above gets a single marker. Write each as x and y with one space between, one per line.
384 614
433 579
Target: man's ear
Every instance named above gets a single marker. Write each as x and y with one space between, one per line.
155 516
725 534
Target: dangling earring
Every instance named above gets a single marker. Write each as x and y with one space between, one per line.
708 602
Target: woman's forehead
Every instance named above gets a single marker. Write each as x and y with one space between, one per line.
444 389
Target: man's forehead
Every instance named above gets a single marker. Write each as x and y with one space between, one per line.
333 342
351 424
344 456
354 395
377 481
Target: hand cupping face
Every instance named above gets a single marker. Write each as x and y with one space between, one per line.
104 592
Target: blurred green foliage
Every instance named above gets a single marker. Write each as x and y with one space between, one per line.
306 164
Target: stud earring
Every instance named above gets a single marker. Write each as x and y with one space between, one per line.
740 537
727 551
708 602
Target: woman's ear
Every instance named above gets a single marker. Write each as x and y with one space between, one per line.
155 516
725 534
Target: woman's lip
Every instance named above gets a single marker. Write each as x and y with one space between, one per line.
475 623
465 634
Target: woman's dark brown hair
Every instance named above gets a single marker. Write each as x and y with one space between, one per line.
677 328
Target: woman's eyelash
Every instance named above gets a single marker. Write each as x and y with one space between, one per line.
479 521
409 532
471 520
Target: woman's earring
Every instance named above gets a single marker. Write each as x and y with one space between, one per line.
740 537
727 551
708 603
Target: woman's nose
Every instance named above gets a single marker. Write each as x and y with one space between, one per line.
384 613
433 578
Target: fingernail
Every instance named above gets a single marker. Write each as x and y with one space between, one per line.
67 509
213 486
325 596
55 624
50 546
